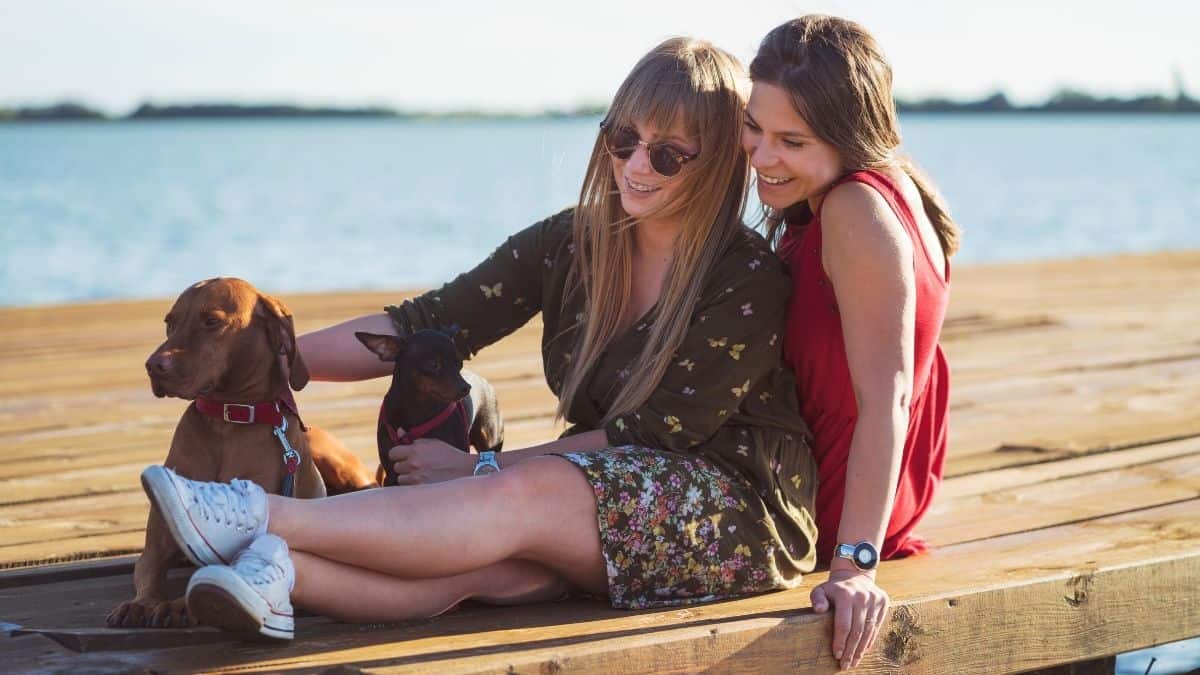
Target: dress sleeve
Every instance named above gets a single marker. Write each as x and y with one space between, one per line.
495 298
732 346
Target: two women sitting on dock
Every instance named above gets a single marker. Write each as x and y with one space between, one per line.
688 473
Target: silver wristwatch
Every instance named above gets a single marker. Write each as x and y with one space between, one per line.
863 554
486 463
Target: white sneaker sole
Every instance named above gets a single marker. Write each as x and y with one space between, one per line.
217 596
164 496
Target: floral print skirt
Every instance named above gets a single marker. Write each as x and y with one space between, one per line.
675 529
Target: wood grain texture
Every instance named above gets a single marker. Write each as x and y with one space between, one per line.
1066 526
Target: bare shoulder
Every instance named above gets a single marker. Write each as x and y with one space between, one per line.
856 219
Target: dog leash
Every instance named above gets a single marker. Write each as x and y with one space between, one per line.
291 459
260 413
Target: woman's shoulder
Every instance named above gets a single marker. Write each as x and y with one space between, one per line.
856 215
558 225
548 237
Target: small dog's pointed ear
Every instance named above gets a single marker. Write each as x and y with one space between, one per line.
386 347
455 332
281 331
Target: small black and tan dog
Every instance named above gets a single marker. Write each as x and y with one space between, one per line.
431 396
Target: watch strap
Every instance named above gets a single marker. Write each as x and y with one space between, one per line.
487 459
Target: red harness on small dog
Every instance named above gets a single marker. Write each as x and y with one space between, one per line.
424 428
269 413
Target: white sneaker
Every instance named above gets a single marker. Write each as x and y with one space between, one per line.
252 595
211 522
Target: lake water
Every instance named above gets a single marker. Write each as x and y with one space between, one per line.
93 211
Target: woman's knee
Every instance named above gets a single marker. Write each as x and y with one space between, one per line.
552 516
549 480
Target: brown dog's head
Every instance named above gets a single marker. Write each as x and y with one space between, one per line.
224 336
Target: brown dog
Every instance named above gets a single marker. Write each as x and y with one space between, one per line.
227 343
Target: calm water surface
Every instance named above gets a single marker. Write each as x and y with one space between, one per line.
121 210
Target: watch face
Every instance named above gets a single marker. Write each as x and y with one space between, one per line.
865 556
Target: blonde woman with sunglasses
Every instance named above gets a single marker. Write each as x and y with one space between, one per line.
685 474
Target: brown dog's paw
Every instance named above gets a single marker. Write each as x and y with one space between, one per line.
150 614
128 614
171 614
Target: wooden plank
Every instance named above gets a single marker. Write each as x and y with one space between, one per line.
47 574
103 545
1089 589
990 481
1065 500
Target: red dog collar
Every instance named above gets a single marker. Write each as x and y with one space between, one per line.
270 412
242 413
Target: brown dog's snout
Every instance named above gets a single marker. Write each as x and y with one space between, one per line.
159 364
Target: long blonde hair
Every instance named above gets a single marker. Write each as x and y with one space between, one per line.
841 84
703 87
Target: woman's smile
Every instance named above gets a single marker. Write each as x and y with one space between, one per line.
771 180
641 188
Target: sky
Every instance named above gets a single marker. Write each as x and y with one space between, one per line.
528 55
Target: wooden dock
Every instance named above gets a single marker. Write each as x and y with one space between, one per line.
1068 528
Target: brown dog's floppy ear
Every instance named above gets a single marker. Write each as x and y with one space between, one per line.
386 347
282 334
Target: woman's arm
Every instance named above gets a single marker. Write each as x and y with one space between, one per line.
429 460
488 302
868 257
584 442
333 354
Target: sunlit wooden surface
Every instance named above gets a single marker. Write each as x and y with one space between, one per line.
1073 490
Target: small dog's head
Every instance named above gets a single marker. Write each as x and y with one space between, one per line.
220 332
427 361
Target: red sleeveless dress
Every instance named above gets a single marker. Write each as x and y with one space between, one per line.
816 351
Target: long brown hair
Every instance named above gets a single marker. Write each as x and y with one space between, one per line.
703 87
841 84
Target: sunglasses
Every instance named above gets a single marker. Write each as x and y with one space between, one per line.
622 142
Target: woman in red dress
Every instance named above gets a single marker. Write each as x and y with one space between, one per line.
867 240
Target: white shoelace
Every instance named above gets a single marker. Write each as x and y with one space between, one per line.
258 569
227 504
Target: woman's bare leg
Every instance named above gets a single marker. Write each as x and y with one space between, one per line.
358 595
540 510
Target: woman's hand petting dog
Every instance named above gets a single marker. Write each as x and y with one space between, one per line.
429 460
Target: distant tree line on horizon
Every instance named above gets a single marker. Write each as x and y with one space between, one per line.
1064 101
